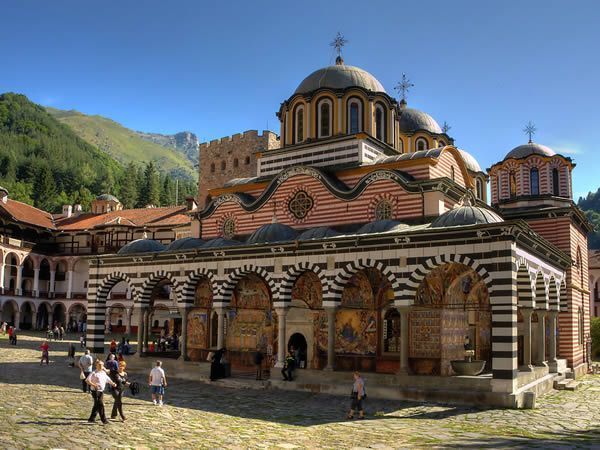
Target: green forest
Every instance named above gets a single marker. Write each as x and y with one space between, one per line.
45 164
591 206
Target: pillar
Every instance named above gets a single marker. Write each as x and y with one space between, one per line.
140 332
52 281
107 319
308 122
69 284
540 357
404 312
146 329
183 339
331 311
221 328
340 126
36 282
552 360
526 312
19 280
18 319
281 344
2 278
370 127
34 320
129 313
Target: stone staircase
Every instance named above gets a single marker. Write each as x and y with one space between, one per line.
566 381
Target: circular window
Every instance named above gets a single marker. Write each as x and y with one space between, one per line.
383 210
300 204
228 228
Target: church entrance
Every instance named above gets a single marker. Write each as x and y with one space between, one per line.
298 346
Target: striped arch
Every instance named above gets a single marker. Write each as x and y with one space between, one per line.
293 273
152 281
525 286
553 294
337 287
188 288
541 291
227 288
407 297
109 282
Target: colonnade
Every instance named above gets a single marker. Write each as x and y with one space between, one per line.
537 357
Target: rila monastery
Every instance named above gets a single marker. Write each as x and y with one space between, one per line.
359 233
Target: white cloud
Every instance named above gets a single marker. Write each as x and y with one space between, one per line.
568 148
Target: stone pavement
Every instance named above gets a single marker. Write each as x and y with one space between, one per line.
43 407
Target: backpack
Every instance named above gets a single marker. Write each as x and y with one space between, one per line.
134 388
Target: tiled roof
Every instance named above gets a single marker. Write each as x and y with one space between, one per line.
21 212
154 217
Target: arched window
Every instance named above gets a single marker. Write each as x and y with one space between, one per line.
512 184
354 116
555 182
223 165
383 210
324 119
235 162
299 135
247 160
479 188
391 331
212 168
452 174
421 144
441 144
380 123
534 181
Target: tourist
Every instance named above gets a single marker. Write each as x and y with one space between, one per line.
56 332
127 348
258 360
157 381
288 367
45 353
121 345
71 355
216 367
82 341
86 362
113 346
152 347
61 332
358 395
120 379
13 337
111 366
4 324
97 381
10 333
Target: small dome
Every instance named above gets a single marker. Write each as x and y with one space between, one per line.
141 246
221 242
466 215
317 233
380 226
185 244
339 76
272 232
108 198
470 161
412 120
522 151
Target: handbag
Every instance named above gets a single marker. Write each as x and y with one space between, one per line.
81 375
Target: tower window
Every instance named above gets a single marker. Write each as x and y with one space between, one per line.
452 173
212 168
223 165
379 123
479 188
324 120
534 180
354 113
299 124
421 144
247 160
512 184
555 182
236 162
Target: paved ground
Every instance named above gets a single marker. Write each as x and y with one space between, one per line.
44 407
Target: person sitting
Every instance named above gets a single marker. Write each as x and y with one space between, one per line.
288 367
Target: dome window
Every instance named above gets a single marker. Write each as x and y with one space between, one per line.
300 205
555 182
354 116
299 135
380 123
512 184
229 228
324 121
534 180
479 188
421 144
441 144
383 210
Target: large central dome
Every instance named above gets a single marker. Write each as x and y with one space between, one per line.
339 76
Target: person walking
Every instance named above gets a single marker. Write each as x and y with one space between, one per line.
120 379
10 333
113 346
45 353
258 360
13 338
288 367
358 395
157 381
97 381
86 363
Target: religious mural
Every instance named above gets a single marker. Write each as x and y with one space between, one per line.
198 318
307 288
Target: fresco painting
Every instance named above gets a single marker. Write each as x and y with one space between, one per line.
307 288
204 294
197 333
356 332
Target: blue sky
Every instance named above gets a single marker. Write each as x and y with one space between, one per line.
486 68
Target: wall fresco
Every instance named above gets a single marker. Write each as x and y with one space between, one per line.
204 294
251 292
356 332
197 332
307 288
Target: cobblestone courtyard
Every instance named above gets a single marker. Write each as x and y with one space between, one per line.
44 407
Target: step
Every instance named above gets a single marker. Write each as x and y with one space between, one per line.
570 374
572 385
561 384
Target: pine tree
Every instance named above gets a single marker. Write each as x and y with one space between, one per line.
167 197
129 186
150 193
44 189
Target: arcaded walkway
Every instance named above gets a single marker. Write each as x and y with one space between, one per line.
44 407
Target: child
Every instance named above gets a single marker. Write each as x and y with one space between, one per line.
45 355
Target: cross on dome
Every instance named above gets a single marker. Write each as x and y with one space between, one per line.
403 87
338 42
530 130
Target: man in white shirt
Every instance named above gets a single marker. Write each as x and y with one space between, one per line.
86 363
97 381
157 382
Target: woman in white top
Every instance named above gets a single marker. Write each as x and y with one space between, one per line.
97 381
358 394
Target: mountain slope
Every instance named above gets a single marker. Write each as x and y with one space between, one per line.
125 145
184 142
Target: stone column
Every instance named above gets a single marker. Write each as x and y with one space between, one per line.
370 127
51 318
183 340
36 282
2 266
140 332
107 319
129 312
18 290
540 357
552 360
308 121
69 284
220 328
331 311
527 367
17 319
52 282
34 320
146 328
404 312
340 126
281 344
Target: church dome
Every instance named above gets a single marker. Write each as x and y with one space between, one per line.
272 232
412 120
141 246
381 226
339 76
523 151
185 243
470 161
220 242
317 233
466 215
108 198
